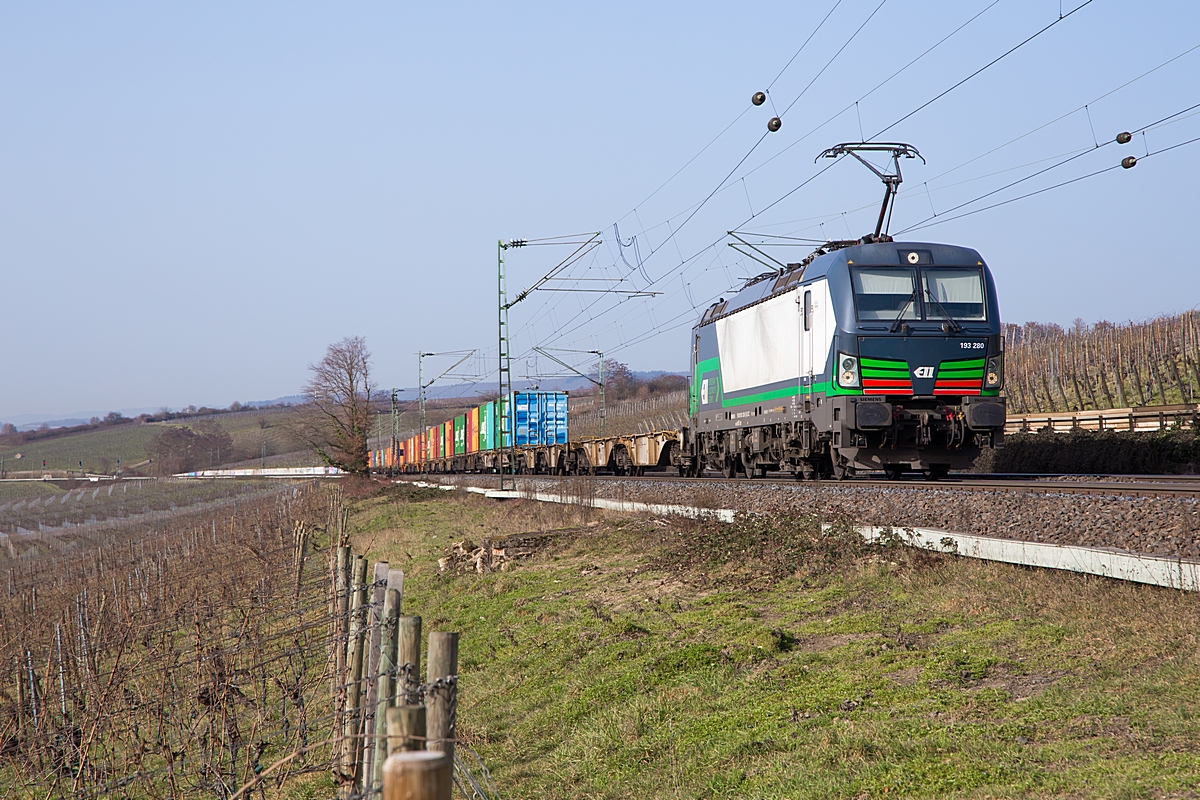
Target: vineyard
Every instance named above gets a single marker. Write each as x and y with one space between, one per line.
38 513
176 658
1049 368
665 411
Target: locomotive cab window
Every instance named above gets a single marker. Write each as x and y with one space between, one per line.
956 292
885 294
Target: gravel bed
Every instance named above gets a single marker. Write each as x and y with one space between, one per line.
1160 525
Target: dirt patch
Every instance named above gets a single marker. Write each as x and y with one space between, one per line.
1019 687
817 644
905 677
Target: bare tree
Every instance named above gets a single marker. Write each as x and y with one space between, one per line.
338 417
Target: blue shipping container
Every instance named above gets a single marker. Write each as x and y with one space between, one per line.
539 418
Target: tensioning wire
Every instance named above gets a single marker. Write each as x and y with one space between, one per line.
1069 159
930 224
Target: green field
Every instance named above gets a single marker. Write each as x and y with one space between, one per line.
651 658
133 442
98 449
16 491
253 429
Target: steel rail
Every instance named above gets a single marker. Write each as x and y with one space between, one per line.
1155 486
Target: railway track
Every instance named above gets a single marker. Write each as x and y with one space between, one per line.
1106 486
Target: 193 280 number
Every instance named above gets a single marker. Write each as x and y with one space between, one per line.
971 345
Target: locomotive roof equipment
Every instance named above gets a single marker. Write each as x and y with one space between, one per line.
891 180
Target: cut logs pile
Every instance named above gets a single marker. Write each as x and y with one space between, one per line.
498 553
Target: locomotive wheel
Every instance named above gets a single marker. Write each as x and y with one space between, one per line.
842 470
730 469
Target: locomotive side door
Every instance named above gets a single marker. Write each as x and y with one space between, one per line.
816 331
804 302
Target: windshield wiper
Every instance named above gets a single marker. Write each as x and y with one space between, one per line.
954 326
899 317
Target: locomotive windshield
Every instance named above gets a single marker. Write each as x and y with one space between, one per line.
885 293
958 292
890 294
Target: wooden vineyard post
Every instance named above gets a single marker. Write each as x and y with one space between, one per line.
374 632
418 775
385 683
300 546
441 693
341 618
341 613
351 726
408 660
405 729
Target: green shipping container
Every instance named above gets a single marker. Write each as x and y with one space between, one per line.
504 432
487 426
460 434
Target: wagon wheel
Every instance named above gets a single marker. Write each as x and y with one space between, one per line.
842 470
894 473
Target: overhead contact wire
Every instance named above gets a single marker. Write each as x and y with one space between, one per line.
991 63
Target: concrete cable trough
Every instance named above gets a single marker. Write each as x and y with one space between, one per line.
1172 573
604 503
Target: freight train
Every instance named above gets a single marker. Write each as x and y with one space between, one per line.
869 355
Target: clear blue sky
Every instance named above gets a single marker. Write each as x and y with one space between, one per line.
195 199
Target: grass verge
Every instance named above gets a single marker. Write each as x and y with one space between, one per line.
641 657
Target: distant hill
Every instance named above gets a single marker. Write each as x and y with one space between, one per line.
547 385
31 422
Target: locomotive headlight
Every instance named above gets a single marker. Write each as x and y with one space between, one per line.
995 372
847 366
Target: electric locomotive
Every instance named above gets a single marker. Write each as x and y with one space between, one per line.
870 354
879 355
